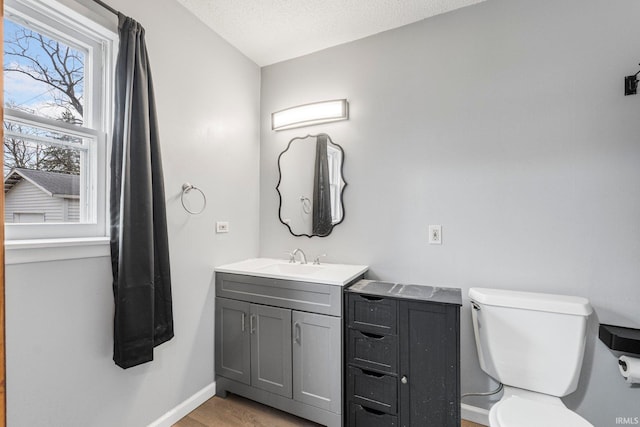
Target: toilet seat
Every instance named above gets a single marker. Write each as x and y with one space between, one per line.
518 412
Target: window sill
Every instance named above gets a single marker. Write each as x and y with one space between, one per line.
42 250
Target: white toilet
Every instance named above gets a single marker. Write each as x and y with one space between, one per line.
533 344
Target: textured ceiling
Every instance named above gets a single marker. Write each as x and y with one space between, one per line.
270 31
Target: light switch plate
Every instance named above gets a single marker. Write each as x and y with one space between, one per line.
435 234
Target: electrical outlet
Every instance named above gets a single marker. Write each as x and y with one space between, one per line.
435 234
222 226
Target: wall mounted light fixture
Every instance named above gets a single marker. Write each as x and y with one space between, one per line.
310 114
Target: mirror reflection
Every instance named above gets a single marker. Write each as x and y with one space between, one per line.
311 185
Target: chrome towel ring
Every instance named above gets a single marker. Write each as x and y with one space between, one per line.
186 188
306 204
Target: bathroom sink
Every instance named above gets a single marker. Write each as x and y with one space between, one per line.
331 274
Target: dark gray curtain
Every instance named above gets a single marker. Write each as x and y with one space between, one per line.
139 245
321 220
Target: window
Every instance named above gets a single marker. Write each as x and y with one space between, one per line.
57 101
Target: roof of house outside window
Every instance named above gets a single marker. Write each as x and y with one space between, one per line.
55 184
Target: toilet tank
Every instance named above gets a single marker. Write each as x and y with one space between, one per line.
530 340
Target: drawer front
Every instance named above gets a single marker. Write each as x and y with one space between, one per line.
302 296
373 390
371 351
373 314
360 416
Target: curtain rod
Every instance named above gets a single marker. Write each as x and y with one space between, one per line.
106 6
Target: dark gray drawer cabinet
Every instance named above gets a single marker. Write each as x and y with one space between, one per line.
403 355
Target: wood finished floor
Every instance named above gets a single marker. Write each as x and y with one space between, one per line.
236 411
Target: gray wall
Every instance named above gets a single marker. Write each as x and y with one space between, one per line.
59 314
504 122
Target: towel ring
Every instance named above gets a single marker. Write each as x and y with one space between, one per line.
186 187
306 204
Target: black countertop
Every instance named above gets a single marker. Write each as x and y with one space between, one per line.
401 291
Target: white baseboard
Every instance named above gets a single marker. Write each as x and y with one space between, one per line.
183 409
475 414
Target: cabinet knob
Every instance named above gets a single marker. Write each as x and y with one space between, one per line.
404 380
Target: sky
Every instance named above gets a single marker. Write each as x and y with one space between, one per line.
20 89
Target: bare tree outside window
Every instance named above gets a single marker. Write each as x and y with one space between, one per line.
44 81
43 77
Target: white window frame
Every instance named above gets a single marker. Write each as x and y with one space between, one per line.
71 25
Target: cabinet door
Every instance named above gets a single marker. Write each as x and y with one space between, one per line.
271 349
317 365
429 365
232 340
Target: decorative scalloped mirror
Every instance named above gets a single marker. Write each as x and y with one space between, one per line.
311 185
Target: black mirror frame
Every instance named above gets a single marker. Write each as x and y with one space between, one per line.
341 192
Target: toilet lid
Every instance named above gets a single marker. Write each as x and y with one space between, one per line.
519 412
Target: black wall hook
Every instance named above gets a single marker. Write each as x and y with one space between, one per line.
631 84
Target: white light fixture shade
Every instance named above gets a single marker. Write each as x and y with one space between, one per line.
310 114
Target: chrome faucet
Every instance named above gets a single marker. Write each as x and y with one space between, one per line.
316 260
303 257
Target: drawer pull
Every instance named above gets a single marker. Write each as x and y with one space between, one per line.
372 336
371 373
371 298
404 379
298 333
372 411
252 328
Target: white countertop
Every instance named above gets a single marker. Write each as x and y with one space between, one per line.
331 274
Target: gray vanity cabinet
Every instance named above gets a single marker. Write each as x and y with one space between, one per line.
279 342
